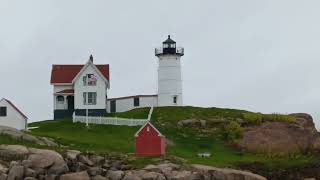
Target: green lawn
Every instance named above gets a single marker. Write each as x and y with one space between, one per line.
187 141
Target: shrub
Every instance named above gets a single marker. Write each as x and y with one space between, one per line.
233 131
254 118
278 117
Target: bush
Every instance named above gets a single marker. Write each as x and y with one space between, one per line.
254 118
278 117
233 131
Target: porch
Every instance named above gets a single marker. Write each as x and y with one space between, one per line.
63 104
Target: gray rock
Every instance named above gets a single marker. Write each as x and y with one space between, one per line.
99 177
16 172
106 165
79 176
48 159
13 151
131 177
115 175
134 175
30 172
85 160
116 165
19 135
126 167
97 160
197 176
178 175
50 177
153 168
153 176
221 173
26 163
79 166
39 171
30 178
12 132
192 122
30 138
58 169
3 169
49 142
72 154
3 176
13 163
94 171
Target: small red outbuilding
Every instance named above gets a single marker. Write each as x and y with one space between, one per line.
149 141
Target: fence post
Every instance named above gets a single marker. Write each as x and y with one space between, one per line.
87 117
73 117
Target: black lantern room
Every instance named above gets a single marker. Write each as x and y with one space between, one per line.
169 47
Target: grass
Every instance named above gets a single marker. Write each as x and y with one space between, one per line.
98 138
187 141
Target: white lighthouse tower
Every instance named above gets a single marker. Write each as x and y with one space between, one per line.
169 74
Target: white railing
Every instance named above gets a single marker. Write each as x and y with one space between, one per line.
111 120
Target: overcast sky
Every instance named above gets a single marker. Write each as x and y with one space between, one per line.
261 56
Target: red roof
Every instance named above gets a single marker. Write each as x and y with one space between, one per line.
66 73
16 108
66 91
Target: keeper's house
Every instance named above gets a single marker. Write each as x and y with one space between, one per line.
78 88
11 116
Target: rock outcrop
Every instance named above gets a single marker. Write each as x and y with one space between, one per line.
282 138
20 135
48 164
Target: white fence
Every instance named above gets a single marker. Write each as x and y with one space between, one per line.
111 120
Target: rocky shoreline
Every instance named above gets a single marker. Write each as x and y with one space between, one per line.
31 164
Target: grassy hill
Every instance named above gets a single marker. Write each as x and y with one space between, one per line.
186 142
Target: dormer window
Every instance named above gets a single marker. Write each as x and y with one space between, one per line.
90 80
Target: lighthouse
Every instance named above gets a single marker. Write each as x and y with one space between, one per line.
169 73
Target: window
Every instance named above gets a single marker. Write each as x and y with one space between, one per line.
60 99
136 102
90 80
175 99
90 98
3 111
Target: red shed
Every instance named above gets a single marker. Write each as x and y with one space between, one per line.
149 141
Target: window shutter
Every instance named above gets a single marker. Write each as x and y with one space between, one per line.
95 98
84 98
84 80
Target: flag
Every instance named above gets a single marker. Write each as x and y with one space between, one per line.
92 78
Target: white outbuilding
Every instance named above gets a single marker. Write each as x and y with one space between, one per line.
11 116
